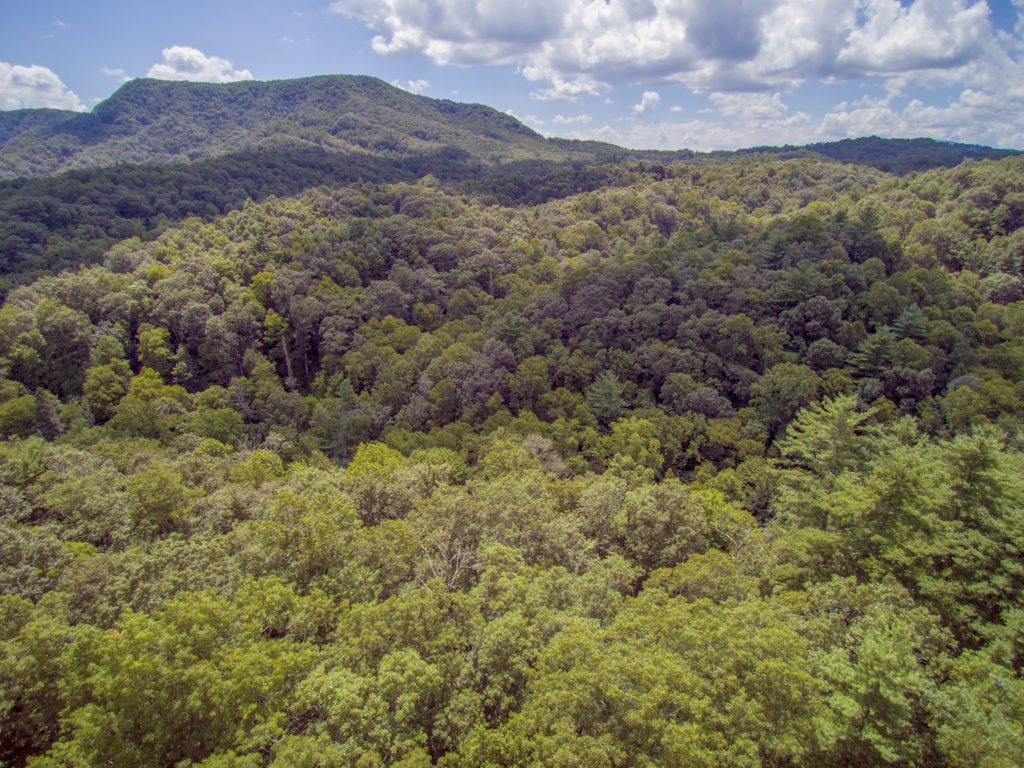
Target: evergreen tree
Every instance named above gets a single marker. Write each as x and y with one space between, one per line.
604 397
875 354
911 324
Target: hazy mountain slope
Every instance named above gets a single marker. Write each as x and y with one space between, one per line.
905 155
15 122
151 121
898 156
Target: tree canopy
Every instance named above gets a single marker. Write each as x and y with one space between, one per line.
708 464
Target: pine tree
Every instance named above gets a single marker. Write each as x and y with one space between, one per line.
911 324
828 437
875 353
604 397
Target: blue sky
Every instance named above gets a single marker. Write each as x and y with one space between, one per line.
700 74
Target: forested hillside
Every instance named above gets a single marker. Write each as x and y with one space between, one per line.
715 464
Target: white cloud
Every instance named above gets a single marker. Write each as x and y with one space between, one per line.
184 63
34 86
458 31
61 24
413 86
650 100
562 88
571 120
285 39
676 108
700 135
928 34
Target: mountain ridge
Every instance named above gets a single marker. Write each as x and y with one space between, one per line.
156 122
160 122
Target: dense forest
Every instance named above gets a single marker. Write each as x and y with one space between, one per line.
703 463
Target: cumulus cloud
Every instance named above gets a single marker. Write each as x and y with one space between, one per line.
929 34
701 135
569 89
34 86
581 47
180 62
650 100
757 119
457 31
750 107
413 86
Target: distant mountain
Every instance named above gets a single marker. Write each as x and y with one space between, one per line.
897 156
160 122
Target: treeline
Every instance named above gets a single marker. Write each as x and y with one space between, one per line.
720 466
